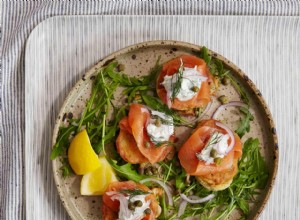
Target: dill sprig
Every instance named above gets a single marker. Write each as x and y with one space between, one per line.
133 192
177 85
163 120
214 139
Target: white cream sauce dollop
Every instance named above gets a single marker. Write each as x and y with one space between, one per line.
160 132
191 78
218 142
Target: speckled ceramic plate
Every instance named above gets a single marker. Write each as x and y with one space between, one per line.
138 59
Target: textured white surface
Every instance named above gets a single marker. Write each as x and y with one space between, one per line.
61 49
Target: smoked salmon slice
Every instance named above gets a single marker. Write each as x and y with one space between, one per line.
133 142
110 207
195 144
201 99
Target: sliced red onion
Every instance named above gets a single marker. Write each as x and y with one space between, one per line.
232 141
199 200
181 208
229 104
183 205
163 185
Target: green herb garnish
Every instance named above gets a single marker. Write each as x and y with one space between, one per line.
122 79
133 192
239 89
244 122
158 105
205 55
214 139
126 171
66 168
164 208
159 120
151 78
217 69
62 141
175 87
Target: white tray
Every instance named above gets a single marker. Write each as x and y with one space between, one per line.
61 49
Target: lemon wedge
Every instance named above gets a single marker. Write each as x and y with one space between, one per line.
96 182
82 157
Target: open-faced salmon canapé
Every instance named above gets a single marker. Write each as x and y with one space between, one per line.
211 154
129 200
145 135
184 83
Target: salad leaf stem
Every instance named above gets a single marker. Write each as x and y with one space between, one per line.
89 104
239 89
151 78
103 133
168 174
164 212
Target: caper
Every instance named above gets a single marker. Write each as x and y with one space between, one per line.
154 170
223 99
197 111
147 144
158 122
148 172
195 89
225 81
121 67
213 153
138 203
131 206
137 98
218 160
147 211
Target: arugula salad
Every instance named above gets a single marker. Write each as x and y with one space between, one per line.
165 179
